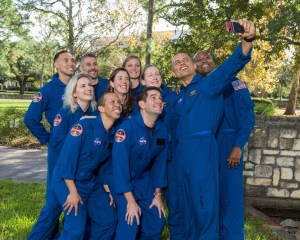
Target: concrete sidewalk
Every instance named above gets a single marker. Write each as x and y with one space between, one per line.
23 165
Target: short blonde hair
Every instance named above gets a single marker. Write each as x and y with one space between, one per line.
69 99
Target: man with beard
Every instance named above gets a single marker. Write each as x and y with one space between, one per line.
88 64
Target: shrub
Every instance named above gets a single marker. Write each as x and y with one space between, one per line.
13 131
263 106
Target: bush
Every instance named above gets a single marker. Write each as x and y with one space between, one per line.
13 131
263 106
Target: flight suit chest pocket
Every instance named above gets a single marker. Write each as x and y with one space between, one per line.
160 144
244 99
190 98
142 148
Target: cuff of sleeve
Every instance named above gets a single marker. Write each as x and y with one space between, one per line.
160 183
124 188
69 176
240 52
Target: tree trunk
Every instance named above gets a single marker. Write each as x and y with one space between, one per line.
71 28
149 32
291 104
42 74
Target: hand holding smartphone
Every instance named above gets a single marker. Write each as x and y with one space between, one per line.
234 27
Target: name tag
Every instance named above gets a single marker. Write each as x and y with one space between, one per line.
160 141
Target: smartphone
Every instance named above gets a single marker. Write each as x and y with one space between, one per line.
234 27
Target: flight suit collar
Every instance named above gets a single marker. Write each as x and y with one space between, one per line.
139 119
57 81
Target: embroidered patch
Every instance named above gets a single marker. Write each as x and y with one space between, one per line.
57 120
192 93
37 97
97 142
76 130
120 135
142 141
165 104
238 84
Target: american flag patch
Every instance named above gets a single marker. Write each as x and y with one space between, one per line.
238 84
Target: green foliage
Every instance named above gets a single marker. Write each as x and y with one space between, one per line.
11 21
13 131
256 230
263 106
11 124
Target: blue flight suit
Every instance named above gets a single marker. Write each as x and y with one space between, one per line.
136 91
87 146
48 100
235 128
200 110
139 161
100 87
174 218
51 211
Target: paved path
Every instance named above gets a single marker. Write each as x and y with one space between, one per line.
23 165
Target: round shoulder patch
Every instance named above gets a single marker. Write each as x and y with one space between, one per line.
120 135
57 120
37 97
76 130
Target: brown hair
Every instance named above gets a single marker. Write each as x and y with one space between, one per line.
130 57
129 102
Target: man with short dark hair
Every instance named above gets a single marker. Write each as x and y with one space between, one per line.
88 64
233 132
200 110
48 101
139 162
77 175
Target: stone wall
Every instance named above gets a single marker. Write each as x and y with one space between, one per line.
272 162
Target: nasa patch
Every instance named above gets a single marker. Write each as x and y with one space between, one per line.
57 120
37 97
76 130
120 135
97 142
142 141
192 93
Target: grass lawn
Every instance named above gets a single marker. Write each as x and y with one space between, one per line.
17 103
20 205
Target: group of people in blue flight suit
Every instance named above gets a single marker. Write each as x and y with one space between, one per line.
117 145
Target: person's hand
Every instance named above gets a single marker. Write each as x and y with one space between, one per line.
234 157
72 202
112 201
157 202
133 210
248 26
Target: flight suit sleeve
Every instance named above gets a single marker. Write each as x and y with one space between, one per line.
120 159
159 169
34 116
247 120
217 80
60 130
70 152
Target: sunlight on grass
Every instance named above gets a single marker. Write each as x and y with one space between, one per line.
18 103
